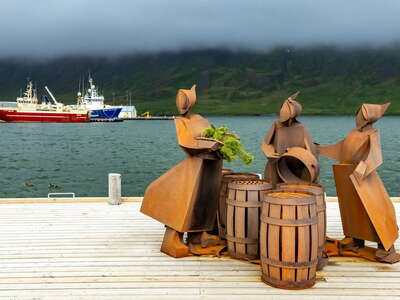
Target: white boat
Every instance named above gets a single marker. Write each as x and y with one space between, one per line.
28 109
93 101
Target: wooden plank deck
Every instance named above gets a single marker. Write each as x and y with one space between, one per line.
96 251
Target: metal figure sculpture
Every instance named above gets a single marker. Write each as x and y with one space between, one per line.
292 156
185 198
366 210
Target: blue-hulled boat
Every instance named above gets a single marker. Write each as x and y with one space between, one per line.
93 101
105 113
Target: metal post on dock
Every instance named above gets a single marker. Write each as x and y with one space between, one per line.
114 188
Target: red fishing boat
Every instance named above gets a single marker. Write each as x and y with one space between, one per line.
28 109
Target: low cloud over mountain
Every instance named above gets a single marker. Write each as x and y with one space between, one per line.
48 28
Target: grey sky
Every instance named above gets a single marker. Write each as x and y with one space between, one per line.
58 27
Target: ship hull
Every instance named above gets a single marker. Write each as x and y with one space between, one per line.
105 113
42 117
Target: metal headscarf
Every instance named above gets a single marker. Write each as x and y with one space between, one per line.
370 113
290 109
185 99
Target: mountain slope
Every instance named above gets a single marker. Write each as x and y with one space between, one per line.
331 81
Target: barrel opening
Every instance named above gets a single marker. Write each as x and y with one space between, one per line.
291 169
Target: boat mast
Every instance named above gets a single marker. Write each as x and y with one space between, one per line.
51 95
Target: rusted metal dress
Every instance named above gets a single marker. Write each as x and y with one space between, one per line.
366 210
186 197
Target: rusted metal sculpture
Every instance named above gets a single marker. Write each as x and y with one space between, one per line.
185 198
366 210
289 239
243 217
291 153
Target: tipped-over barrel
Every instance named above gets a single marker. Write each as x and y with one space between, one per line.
298 165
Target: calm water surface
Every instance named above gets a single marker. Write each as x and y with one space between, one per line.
78 157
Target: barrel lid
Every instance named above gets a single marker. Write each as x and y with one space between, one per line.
292 197
239 175
256 184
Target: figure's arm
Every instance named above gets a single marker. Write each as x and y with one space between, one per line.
186 140
309 144
267 146
373 158
331 151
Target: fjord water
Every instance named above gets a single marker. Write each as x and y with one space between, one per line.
78 157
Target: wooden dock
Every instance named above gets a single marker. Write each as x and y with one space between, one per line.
96 251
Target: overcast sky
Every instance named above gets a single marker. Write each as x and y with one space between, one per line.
59 27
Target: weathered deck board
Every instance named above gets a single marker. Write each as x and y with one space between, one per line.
97 251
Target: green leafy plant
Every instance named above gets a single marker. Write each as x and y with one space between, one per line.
232 147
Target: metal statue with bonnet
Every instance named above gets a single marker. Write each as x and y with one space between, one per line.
366 210
185 198
291 153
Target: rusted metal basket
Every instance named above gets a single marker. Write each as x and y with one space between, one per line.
289 239
243 217
227 178
318 191
298 165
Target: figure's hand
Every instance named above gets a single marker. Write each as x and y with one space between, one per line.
210 144
274 156
269 151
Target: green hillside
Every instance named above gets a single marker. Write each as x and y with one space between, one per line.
331 81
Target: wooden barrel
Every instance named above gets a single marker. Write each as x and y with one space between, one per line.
227 178
318 191
289 239
243 217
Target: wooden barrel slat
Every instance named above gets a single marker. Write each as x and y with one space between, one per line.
230 215
243 217
253 222
289 249
318 191
288 240
240 230
302 243
228 176
314 235
273 240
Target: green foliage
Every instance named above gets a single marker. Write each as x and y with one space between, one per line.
232 147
